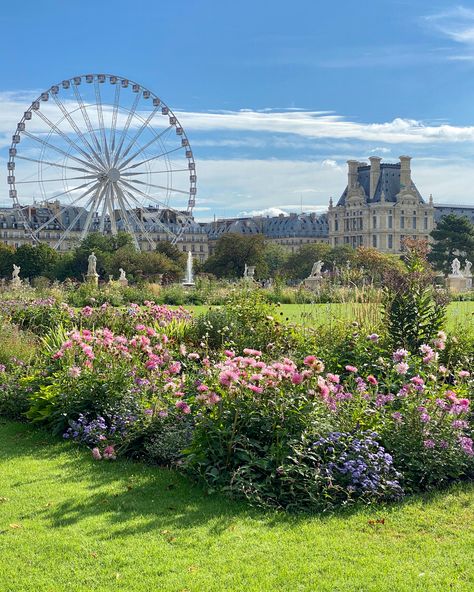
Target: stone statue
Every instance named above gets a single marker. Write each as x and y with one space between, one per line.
122 274
467 269
92 263
245 271
316 270
456 267
16 272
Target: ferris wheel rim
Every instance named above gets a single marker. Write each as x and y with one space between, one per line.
94 154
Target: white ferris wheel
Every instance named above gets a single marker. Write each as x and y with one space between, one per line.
110 155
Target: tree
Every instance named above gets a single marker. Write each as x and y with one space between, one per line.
6 260
299 264
275 257
233 251
454 237
36 260
143 265
172 252
375 263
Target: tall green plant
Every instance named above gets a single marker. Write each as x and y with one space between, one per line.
413 310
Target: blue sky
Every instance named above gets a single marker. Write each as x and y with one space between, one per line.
275 96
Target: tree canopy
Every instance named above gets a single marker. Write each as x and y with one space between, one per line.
453 237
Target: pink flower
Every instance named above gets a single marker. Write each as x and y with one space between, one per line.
74 372
184 407
467 445
401 368
255 388
193 356
87 311
429 443
372 379
373 337
229 353
351 368
335 378
397 416
96 454
252 352
463 374
400 355
109 453
297 378
309 360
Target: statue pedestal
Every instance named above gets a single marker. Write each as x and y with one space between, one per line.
92 279
313 282
457 283
15 284
123 282
188 285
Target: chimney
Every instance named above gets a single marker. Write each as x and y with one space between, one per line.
352 173
374 174
405 171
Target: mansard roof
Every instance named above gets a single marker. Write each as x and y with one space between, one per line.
388 183
301 225
461 210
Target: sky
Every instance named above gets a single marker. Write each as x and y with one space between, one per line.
274 96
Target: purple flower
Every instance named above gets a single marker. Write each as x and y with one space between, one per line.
429 443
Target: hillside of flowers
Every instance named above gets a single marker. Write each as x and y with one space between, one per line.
248 405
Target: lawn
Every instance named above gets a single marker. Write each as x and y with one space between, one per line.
68 523
460 314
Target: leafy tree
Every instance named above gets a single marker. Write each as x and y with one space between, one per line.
172 252
144 265
454 237
6 260
36 260
340 255
233 251
300 263
276 257
375 263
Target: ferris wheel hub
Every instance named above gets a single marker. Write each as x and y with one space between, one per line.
113 175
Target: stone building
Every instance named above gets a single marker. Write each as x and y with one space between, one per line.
290 231
379 207
50 221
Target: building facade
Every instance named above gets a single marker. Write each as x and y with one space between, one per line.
380 207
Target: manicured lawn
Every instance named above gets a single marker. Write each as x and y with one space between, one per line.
460 314
68 523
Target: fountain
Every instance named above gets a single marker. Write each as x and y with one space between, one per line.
189 279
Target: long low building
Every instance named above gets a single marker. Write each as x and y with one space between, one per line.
379 207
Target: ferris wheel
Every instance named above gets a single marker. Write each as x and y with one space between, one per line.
101 153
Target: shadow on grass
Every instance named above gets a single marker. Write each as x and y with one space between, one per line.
143 499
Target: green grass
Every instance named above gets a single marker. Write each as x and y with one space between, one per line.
68 523
460 314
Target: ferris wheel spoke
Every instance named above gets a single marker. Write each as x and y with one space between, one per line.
65 137
143 148
133 166
138 222
125 129
75 127
100 114
139 133
155 172
87 121
71 204
54 164
113 127
57 179
125 216
157 222
104 209
70 228
170 189
131 189
110 205
61 151
95 206
78 188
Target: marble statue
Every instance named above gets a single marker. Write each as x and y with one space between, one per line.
316 269
467 269
122 274
92 263
245 271
16 272
456 267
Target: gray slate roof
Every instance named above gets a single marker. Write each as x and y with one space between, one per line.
444 210
389 183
